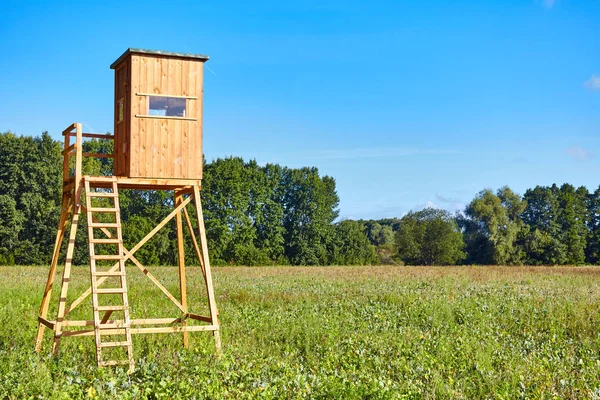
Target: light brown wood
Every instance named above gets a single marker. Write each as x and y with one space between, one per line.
65 280
168 95
144 321
148 154
114 271
164 117
62 224
78 163
181 264
134 331
68 129
66 158
212 305
152 152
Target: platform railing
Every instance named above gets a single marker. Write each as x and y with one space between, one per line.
76 149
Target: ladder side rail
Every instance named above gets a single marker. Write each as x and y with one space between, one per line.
127 320
91 244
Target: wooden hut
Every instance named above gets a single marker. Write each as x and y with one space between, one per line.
158 114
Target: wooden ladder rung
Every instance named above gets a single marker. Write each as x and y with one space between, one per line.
111 308
104 224
114 344
112 362
105 241
112 325
110 290
108 273
103 209
107 257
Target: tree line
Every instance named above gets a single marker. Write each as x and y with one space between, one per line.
274 215
254 215
548 225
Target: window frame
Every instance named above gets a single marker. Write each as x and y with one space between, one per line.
147 115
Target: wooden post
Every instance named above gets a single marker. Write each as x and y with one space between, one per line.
208 276
78 165
62 224
181 253
66 276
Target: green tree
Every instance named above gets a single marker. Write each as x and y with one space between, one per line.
30 175
350 245
310 207
593 246
572 219
429 237
495 227
544 244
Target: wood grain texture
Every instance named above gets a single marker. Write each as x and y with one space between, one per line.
150 146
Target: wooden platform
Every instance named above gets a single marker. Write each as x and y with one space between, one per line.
140 183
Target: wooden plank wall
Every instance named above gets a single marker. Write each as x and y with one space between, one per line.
166 148
122 77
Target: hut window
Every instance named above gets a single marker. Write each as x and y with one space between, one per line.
166 106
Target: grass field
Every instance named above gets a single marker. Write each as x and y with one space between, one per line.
335 332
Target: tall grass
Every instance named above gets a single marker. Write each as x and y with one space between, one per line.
336 332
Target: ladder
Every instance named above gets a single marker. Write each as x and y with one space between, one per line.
116 328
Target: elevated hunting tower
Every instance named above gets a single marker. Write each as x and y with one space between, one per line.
157 146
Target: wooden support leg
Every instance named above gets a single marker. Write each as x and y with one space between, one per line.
214 314
62 224
181 253
66 279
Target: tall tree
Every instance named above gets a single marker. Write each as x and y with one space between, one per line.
350 245
310 207
593 245
30 175
572 219
544 243
429 237
496 226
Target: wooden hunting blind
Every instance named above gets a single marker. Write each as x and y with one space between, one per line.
157 146
158 114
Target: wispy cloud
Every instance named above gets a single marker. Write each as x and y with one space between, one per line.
579 153
450 203
444 199
549 3
593 83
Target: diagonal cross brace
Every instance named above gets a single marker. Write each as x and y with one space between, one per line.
129 255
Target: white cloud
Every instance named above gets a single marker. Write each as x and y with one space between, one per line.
593 83
549 3
430 204
450 203
579 153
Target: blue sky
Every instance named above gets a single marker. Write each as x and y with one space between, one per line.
404 103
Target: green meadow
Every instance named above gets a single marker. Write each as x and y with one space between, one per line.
327 332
